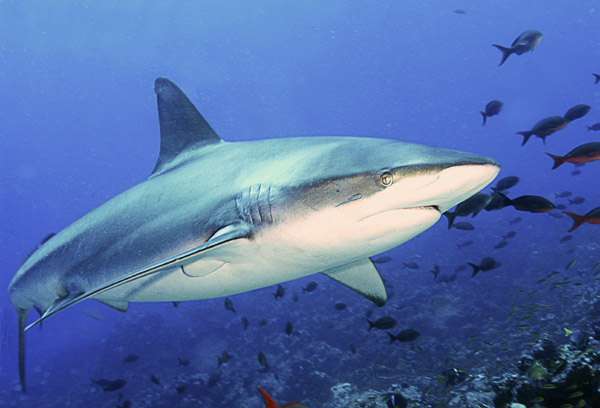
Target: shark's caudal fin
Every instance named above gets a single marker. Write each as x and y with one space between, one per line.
182 127
362 277
505 52
22 317
224 235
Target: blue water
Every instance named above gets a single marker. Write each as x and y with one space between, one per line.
78 125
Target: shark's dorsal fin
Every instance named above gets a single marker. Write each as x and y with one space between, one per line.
182 127
362 277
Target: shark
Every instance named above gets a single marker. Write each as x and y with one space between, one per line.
217 218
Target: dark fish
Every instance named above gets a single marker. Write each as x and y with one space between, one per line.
154 380
564 194
530 203
384 323
411 265
245 322
491 109
310 287
435 271
501 244
352 348
577 111
509 234
496 203
582 154
131 358
109 385
577 200
183 362
544 128
458 11
262 322
382 259
465 244
575 172
561 207
396 401
214 379
404 336
262 360
506 183
464 226
125 404
565 238
597 76
515 220
223 358
447 278
487 264
180 388
460 268
229 305
471 206
270 402
279 293
175 304
593 217
340 306
289 328
595 127
555 215
523 43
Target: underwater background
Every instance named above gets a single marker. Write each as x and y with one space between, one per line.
79 125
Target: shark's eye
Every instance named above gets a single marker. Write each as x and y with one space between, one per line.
386 179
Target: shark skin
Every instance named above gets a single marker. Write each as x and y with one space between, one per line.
217 218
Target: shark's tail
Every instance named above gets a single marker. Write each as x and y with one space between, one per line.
526 135
505 52
22 317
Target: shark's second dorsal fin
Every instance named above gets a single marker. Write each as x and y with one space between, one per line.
181 125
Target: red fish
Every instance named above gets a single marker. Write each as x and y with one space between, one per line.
593 217
582 154
269 403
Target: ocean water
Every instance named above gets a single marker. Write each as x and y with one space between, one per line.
79 124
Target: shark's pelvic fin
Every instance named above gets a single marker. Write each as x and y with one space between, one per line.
115 304
222 236
181 125
362 277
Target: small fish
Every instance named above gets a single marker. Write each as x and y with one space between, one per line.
270 403
592 217
465 244
384 323
279 293
544 128
594 127
459 11
561 207
183 362
464 226
340 306
109 385
575 172
381 260
577 111
509 234
548 386
501 244
125 404
411 265
564 194
506 183
515 220
585 153
262 322
245 322
487 264
131 358
289 329
310 287
497 202
531 203
471 206
262 360
175 304
491 109
577 201
555 215
597 76
570 264
404 336
213 379
229 305
154 380
460 268
436 271
525 42
181 388
223 358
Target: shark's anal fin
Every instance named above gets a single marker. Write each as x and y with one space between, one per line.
222 236
362 277
22 317
182 127
115 304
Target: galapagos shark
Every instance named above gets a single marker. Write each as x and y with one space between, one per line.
216 218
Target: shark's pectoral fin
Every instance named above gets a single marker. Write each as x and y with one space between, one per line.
115 304
362 277
222 236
